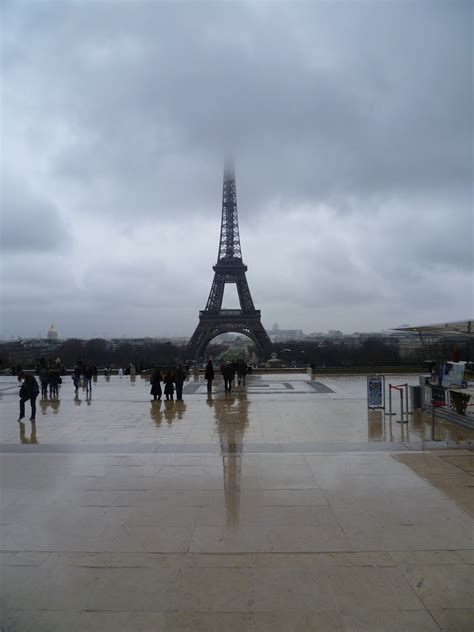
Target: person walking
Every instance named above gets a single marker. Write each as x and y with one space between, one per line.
88 374
239 369
243 371
155 380
169 385
229 373
209 375
44 379
179 380
29 390
54 378
76 377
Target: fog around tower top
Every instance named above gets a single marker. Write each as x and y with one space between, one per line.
350 127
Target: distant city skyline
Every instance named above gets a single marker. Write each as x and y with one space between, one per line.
351 130
124 336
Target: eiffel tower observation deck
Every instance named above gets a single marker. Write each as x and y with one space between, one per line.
230 268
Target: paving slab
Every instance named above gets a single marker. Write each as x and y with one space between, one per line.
286 505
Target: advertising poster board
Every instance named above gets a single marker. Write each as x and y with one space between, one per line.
375 391
453 374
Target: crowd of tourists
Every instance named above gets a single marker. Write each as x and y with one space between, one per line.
172 381
85 371
49 374
232 370
169 384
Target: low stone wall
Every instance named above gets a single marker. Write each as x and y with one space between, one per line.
374 370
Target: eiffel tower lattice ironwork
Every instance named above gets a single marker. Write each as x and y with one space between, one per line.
230 268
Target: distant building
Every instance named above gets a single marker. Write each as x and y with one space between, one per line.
282 335
52 333
315 335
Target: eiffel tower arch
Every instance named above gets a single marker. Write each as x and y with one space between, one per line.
230 268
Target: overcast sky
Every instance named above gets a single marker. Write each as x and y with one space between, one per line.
351 127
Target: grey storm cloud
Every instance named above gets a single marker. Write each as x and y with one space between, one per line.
350 124
30 223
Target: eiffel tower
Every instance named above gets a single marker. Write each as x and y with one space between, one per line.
230 268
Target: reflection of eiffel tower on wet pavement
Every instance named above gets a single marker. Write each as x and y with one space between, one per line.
214 320
232 420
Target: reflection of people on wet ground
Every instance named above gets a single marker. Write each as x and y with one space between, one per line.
179 380
228 373
209 400
169 385
156 413
209 375
170 412
23 437
77 401
52 403
155 381
180 408
29 390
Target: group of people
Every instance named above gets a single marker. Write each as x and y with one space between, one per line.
87 372
229 371
50 379
172 380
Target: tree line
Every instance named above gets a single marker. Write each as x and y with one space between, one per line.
374 351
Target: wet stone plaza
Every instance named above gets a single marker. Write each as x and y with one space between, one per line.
284 505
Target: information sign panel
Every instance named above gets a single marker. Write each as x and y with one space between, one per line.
375 391
453 374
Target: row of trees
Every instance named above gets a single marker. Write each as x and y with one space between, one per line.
98 352
345 353
372 352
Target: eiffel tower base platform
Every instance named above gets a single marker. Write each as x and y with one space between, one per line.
228 320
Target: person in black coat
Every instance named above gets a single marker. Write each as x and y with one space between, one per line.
29 390
209 375
169 385
229 374
179 380
155 380
241 371
44 379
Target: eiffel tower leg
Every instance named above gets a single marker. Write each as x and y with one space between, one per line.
263 341
216 295
196 348
245 297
